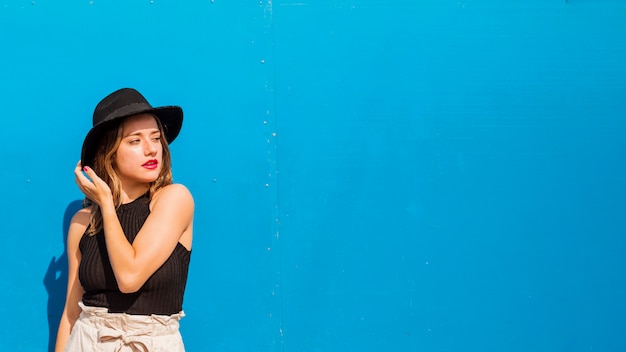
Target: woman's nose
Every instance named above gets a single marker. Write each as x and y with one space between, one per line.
150 148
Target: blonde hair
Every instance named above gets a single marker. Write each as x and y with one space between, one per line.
104 167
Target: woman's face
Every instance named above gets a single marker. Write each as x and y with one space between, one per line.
139 157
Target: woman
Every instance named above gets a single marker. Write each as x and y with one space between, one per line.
129 248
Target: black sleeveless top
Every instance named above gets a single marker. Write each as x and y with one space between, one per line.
163 292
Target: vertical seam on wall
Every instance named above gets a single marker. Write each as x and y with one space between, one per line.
271 124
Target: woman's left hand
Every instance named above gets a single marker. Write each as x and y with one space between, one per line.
95 189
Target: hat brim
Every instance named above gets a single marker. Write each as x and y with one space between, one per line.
171 118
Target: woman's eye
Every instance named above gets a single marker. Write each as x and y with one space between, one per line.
156 139
134 141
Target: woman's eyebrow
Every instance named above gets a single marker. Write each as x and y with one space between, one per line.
137 133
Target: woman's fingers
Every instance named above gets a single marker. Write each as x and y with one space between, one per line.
95 179
77 169
81 179
90 184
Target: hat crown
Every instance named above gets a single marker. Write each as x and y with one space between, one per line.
122 102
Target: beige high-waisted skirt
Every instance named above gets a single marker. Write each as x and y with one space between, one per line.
98 330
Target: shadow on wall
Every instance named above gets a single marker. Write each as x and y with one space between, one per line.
55 279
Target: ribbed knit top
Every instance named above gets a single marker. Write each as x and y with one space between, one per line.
161 294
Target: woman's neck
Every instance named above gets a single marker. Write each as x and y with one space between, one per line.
129 194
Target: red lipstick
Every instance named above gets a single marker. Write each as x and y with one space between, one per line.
151 164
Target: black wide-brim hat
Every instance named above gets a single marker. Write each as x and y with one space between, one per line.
123 103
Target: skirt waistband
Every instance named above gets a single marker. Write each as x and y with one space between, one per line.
129 324
97 329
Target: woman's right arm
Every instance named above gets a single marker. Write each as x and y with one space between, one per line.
75 291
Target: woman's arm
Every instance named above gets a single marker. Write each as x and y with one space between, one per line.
170 219
74 289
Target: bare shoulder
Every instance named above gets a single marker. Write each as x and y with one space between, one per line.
175 194
82 216
79 224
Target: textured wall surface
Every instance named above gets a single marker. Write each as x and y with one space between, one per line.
417 175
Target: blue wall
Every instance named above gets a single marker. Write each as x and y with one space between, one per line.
372 176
